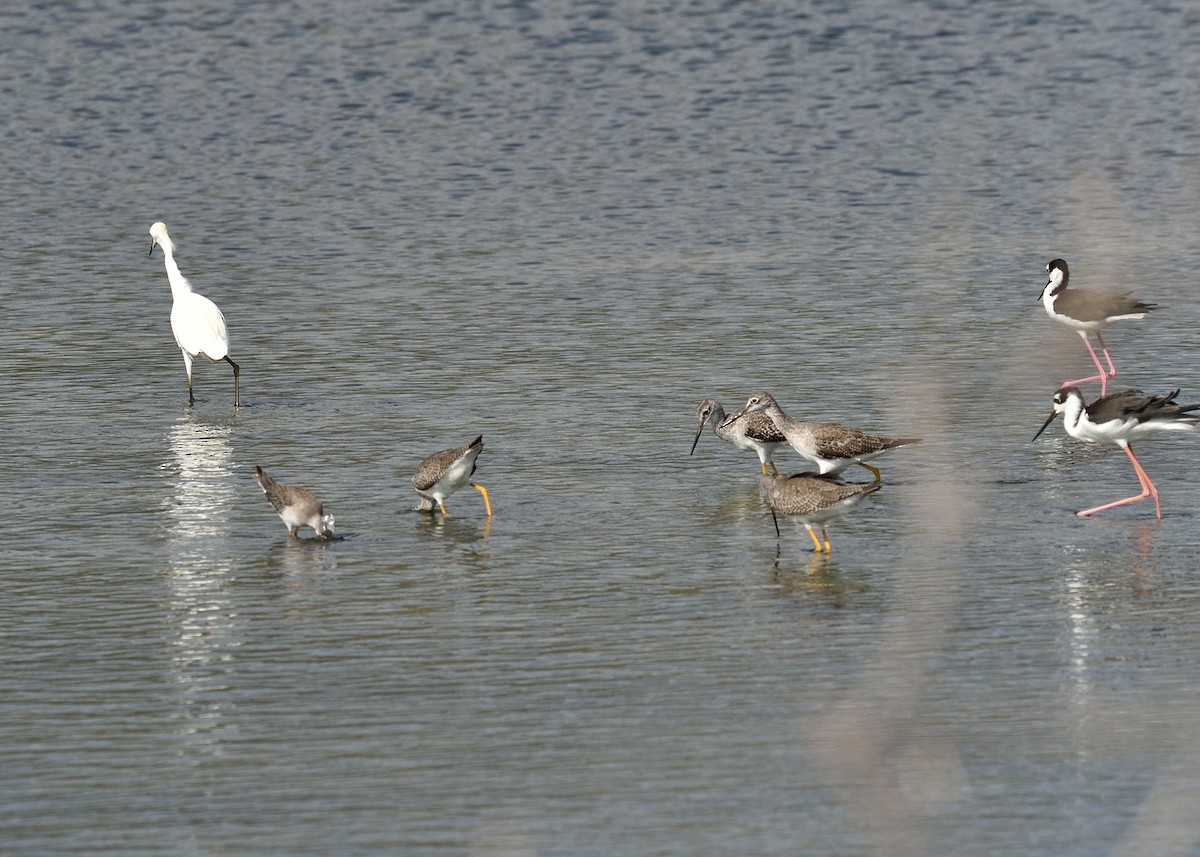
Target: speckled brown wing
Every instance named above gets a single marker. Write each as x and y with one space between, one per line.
762 428
270 487
435 466
282 496
808 493
831 440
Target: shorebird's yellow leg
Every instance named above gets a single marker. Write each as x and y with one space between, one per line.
443 508
825 536
486 503
764 468
774 469
816 544
874 470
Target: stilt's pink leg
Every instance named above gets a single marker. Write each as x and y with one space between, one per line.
1112 370
1102 377
1148 490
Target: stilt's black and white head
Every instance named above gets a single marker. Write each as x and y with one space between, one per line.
1058 277
1065 400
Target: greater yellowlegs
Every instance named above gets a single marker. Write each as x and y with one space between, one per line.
443 473
752 432
830 446
1118 419
197 322
1088 311
814 499
296 507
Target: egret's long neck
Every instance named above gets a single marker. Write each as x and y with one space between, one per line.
179 284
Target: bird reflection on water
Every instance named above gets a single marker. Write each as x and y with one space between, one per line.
204 627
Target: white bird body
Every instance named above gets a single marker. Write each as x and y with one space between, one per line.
199 326
197 322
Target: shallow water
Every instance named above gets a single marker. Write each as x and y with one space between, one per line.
562 226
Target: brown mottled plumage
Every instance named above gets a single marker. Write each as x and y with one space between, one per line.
830 446
813 498
754 432
443 473
296 507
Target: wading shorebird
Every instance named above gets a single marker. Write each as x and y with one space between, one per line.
1118 419
443 473
1088 311
814 499
296 507
752 432
197 322
830 446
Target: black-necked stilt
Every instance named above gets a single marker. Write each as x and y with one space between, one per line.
752 432
197 322
1088 311
832 447
296 507
1119 419
443 473
814 499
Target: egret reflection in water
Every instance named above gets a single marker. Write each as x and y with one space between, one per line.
199 611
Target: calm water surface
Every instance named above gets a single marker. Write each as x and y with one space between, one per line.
562 225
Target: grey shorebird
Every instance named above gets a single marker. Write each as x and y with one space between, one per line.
1118 419
443 473
1088 311
197 322
814 499
296 507
830 446
751 432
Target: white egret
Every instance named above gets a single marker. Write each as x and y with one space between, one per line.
197 322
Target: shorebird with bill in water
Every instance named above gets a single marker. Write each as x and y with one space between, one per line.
751 432
813 499
296 507
443 473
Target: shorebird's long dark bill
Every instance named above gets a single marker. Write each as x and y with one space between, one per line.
776 520
697 440
1049 420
